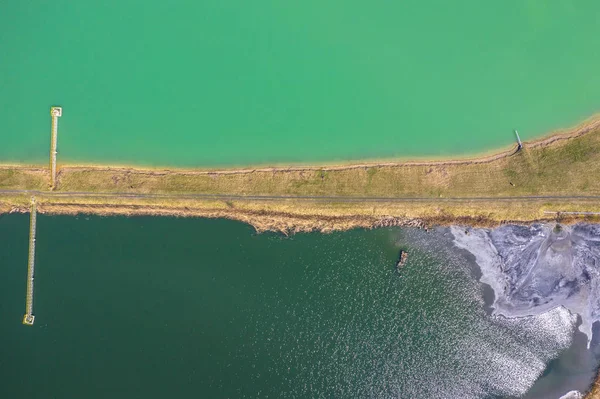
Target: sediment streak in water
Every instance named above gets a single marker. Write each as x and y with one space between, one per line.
535 269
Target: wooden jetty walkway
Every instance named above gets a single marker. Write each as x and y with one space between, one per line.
55 112
29 317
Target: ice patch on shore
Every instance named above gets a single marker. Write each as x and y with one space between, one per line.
572 395
494 356
533 270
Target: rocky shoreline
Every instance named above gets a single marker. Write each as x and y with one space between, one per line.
286 222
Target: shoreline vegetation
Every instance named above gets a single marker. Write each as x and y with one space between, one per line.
557 173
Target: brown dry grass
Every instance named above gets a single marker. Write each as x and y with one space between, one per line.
18 178
290 216
561 165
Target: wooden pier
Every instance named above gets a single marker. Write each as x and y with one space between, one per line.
29 317
55 112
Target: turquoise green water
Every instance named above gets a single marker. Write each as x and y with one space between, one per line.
164 307
222 83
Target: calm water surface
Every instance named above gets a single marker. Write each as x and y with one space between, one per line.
156 307
194 83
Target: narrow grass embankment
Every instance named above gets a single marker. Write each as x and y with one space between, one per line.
562 165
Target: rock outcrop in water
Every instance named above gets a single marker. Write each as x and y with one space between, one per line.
533 269
402 259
